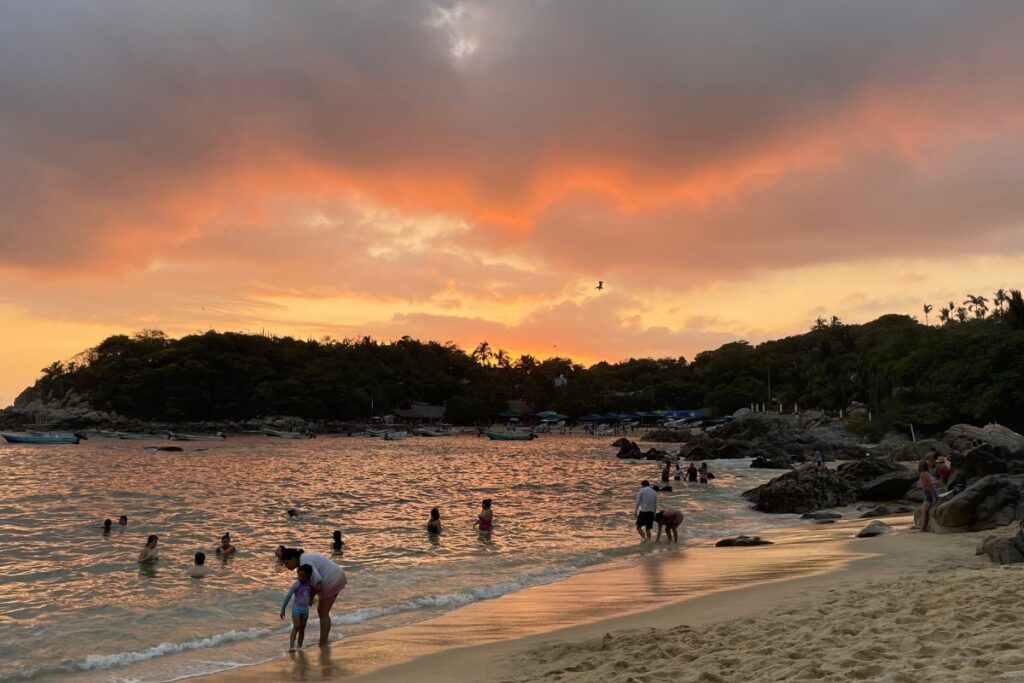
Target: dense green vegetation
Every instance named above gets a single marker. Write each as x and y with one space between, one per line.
968 368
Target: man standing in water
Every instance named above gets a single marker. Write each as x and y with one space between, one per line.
646 504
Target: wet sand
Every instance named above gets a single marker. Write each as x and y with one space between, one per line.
483 641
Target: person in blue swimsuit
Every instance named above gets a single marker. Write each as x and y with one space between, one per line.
302 590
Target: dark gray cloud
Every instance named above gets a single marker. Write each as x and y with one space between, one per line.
132 131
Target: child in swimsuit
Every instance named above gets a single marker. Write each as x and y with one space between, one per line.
303 592
485 521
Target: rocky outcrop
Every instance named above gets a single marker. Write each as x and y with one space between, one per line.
803 490
860 472
913 452
1004 550
875 528
889 486
771 461
990 502
964 437
883 511
628 450
741 541
982 461
769 438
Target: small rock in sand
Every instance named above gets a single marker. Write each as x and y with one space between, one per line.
875 528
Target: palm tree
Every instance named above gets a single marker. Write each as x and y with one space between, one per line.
961 314
944 313
998 299
1015 310
482 354
969 302
835 322
927 308
980 307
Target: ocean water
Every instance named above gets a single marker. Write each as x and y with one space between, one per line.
75 605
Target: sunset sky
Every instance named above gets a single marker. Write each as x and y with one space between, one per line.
469 171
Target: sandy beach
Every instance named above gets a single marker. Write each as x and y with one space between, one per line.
901 607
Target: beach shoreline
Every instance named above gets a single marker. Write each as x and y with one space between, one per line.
483 641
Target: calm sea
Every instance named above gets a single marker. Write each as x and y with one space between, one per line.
74 604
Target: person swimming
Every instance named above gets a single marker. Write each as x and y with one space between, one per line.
199 569
106 527
293 513
337 544
123 520
434 524
226 549
149 552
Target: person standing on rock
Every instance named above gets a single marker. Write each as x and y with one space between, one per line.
646 505
819 458
926 483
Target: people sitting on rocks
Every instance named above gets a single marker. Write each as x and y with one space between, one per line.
942 470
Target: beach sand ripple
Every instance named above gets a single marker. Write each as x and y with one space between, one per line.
960 624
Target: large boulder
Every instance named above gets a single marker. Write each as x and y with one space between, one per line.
963 437
913 452
978 462
628 450
889 486
860 472
804 490
990 502
771 461
731 449
1004 550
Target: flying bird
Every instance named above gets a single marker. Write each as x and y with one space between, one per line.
600 284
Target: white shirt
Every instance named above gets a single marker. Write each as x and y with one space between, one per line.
324 571
647 499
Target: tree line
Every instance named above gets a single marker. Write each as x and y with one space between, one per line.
968 369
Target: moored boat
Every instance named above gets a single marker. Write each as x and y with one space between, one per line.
176 436
41 438
395 436
138 436
510 436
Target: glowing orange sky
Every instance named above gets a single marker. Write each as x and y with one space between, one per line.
468 171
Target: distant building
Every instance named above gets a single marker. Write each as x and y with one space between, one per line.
561 381
421 412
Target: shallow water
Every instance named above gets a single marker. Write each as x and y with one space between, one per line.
74 603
